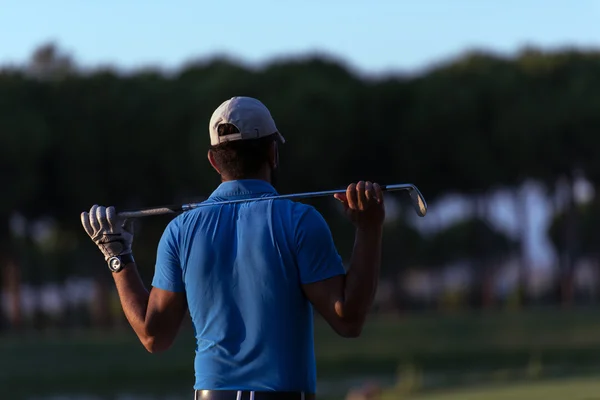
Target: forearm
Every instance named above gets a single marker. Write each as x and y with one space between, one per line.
154 315
134 299
363 275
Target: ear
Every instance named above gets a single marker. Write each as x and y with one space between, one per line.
274 155
211 160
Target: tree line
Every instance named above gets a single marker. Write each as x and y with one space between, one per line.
71 137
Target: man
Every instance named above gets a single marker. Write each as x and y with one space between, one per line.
250 273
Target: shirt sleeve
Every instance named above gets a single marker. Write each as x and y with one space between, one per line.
316 254
168 273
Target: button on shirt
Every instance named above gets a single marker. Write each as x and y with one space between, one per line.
241 267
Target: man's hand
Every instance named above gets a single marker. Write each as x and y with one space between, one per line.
363 204
112 235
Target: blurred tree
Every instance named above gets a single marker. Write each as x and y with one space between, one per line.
403 248
560 84
24 140
475 124
49 62
588 216
478 243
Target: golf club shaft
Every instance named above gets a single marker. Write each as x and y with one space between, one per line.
186 207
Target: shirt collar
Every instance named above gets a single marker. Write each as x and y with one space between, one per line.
243 187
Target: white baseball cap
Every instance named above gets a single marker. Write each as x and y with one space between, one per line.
251 117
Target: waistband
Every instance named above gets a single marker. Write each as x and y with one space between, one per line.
249 395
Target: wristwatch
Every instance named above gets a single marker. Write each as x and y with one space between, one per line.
117 263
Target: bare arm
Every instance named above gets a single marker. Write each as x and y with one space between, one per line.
345 300
362 277
155 316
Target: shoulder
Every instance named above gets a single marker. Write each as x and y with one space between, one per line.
174 227
299 212
170 235
175 223
307 218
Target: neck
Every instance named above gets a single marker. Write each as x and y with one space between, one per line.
263 176
225 179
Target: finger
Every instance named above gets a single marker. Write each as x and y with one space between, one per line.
369 192
93 219
128 225
111 218
101 217
351 198
378 193
341 197
85 221
360 194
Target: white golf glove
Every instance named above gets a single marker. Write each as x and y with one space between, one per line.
112 235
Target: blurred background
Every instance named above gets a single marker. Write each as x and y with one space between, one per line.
491 108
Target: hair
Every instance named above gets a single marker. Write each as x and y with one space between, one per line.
241 159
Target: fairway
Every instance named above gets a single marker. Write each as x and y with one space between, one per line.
454 350
572 389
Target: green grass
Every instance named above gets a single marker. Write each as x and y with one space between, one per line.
572 389
494 340
453 345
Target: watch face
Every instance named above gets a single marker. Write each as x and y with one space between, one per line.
114 264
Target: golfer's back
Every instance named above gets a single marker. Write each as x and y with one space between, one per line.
242 266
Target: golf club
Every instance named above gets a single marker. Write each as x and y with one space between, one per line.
416 197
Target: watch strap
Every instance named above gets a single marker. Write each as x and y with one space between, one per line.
126 258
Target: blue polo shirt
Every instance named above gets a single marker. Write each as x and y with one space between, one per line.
241 267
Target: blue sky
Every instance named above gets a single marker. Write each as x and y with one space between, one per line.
373 36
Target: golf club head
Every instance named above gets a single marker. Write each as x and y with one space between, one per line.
418 201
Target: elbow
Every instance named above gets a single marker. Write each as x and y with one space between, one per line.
351 332
350 324
350 329
153 345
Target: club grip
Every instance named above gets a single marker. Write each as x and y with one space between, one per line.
149 212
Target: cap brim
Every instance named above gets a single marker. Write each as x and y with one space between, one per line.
281 138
